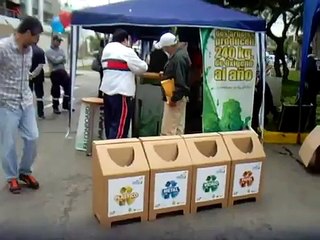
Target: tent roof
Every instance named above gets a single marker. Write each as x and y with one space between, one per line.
164 13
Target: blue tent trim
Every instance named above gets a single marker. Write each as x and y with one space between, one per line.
311 21
165 13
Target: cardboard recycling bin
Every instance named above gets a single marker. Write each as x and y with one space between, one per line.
170 174
247 156
211 170
120 175
310 150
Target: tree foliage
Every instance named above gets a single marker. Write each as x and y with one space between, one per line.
231 116
94 43
271 11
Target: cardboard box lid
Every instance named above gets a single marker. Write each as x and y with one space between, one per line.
200 135
116 141
160 138
114 157
250 131
309 147
244 146
167 153
207 149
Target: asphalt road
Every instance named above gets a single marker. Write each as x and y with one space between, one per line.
61 209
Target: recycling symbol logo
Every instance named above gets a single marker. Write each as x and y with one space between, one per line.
247 179
126 196
171 190
211 184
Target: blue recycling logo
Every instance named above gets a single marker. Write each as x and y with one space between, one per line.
171 190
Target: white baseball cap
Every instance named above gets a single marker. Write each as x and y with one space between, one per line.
166 40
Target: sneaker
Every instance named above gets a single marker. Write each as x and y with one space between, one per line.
68 109
14 186
41 117
56 111
30 181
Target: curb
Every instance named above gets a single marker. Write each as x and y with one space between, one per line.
282 138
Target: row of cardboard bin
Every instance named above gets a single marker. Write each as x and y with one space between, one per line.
149 176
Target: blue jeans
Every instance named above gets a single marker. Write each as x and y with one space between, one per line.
11 121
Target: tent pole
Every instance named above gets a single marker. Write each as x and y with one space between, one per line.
300 118
260 38
73 71
258 52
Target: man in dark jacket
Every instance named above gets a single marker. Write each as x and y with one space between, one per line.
36 77
312 87
177 68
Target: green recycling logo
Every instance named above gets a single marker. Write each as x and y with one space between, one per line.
211 184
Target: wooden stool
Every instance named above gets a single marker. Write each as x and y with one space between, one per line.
93 102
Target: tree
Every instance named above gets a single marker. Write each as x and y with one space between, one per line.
94 43
271 10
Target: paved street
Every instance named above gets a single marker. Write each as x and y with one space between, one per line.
61 209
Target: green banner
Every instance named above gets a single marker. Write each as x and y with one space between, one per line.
230 62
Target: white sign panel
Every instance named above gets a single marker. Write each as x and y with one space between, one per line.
211 183
170 189
125 196
246 179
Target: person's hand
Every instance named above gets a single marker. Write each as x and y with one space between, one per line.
30 76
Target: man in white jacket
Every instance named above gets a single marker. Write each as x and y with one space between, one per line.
120 64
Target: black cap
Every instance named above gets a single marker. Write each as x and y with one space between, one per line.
57 38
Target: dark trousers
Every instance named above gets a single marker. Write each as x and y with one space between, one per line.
118 111
310 97
257 103
256 110
36 85
60 78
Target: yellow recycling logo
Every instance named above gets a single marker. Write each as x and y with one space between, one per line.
126 196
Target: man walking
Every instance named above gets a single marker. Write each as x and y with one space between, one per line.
59 76
120 64
177 68
36 77
16 104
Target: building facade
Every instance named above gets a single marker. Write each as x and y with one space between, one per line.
44 9
12 10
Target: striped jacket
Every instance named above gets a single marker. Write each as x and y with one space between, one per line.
120 64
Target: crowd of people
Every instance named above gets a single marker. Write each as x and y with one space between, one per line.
59 77
21 72
119 66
